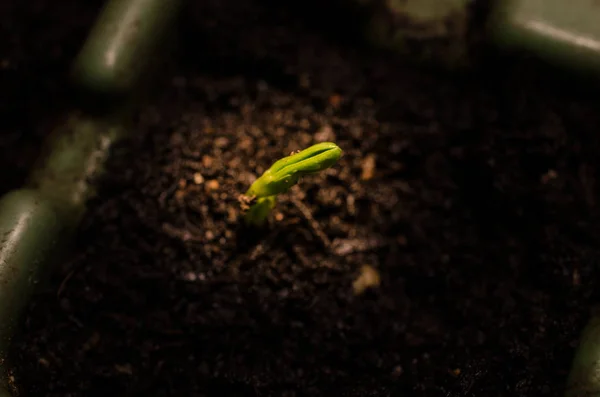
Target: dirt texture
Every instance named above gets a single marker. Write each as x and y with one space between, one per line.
473 197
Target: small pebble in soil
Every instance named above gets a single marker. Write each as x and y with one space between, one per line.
549 176
397 371
325 134
198 178
124 369
180 194
368 168
207 161
335 100
368 278
213 184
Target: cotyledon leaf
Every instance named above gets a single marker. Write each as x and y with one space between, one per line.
286 172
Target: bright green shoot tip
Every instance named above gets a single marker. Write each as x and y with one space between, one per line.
284 174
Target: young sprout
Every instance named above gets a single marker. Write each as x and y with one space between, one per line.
284 174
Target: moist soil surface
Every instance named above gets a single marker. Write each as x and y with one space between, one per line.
473 197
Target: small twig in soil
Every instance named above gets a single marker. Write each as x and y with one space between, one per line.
179 234
190 225
76 321
301 257
312 223
256 252
193 165
63 284
345 247
165 194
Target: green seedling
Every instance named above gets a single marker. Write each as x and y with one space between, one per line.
261 197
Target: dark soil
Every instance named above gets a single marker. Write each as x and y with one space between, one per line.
479 214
